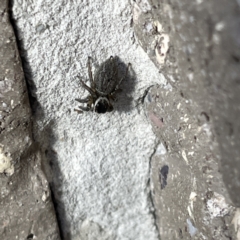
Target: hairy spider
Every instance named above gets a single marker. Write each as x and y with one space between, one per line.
102 88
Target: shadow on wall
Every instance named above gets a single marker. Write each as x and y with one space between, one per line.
55 179
125 99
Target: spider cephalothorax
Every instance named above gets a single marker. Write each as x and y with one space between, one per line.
103 87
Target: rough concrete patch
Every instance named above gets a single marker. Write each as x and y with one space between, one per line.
26 209
100 163
161 42
191 168
6 165
217 206
92 231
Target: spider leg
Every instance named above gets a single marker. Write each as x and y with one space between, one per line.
90 72
117 87
88 88
117 90
87 100
78 111
84 100
110 107
112 96
86 109
114 66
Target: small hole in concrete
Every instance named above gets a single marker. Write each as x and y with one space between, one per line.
206 116
236 58
30 236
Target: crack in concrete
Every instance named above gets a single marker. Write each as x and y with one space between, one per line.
150 194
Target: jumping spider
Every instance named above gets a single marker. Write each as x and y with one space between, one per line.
103 87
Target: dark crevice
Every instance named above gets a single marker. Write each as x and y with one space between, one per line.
55 205
150 194
28 75
34 106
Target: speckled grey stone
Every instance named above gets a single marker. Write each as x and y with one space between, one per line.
196 46
26 210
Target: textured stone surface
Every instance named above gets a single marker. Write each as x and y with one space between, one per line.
111 177
26 210
195 169
100 163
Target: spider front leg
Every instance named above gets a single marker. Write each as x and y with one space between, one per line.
90 90
84 100
85 109
88 100
90 73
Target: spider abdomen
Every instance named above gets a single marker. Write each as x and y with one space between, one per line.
106 77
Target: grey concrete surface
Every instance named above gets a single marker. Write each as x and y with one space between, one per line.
26 209
113 176
195 170
99 163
